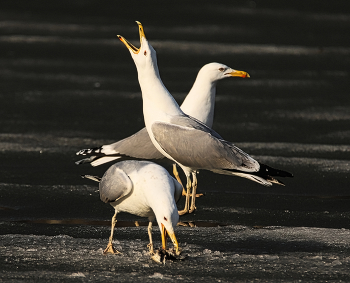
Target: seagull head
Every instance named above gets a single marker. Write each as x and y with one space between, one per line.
167 221
217 71
143 56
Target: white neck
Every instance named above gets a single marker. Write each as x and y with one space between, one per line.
200 101
158 103
167 208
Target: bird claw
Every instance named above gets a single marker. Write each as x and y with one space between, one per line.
150 247
183 212
192 209
110 250
185 194
186 224
187 211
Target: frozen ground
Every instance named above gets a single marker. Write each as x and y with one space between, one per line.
220 254
67 83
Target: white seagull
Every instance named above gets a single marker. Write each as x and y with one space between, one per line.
145 189
199 103
184 139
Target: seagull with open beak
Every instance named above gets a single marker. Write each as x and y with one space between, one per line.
199 103
182 138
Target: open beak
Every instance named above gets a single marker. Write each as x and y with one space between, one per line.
236 73
164 233
131 47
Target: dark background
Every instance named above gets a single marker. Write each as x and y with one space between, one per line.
67 83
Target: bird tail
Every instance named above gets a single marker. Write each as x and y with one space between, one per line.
91 151
94 178
86 160
97 156
97 160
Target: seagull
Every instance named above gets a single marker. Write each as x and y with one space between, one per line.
184 139
145 189
199 103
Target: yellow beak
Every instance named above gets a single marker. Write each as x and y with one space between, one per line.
241 74
172 236
141 31
131 47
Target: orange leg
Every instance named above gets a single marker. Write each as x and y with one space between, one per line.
110 249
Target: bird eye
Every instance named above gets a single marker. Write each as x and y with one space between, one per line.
222 69
165 218
145 53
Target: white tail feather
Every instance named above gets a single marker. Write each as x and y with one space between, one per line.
103 160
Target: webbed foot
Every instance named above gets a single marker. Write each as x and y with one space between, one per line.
110 249
186 224
150 247
185 194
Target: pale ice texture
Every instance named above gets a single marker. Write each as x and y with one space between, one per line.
223 253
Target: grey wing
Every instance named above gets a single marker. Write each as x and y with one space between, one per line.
114 185
199 149
191 122
138 145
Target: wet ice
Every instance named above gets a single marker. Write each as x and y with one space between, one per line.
225 249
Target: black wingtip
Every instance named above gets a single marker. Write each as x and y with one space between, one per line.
91 151
264 169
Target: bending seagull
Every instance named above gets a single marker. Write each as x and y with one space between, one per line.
145 189
199 103
184 139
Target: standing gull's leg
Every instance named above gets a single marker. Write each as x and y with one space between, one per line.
188 193
194 189
110 249
177 176
150 245
157 257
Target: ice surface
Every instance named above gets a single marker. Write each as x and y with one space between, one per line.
222 253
